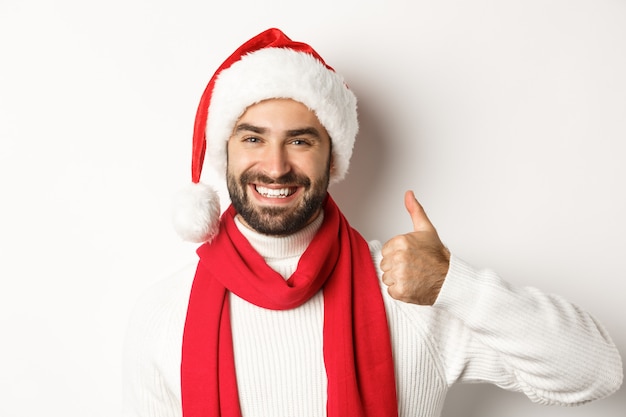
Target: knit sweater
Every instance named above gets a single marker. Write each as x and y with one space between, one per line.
480 329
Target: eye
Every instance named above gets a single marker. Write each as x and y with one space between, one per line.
300 142
251 139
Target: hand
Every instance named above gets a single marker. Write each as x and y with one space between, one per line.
415 264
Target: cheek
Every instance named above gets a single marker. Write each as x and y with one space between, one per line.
312 168
237 161
323 165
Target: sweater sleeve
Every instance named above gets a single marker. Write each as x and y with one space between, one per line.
522 339
151 363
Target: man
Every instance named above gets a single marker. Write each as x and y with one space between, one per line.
291 313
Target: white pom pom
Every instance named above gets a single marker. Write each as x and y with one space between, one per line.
196 213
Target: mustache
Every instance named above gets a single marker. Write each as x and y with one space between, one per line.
289 178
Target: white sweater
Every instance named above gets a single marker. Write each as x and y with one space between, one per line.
480 329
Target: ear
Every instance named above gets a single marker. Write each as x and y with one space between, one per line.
331 164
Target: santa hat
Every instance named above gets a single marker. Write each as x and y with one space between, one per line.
270 65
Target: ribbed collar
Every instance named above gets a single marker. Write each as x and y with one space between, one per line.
280 247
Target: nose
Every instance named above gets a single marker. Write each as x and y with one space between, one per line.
276 161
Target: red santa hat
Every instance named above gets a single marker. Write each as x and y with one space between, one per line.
270 65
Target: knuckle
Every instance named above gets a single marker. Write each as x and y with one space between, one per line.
384 264
402 241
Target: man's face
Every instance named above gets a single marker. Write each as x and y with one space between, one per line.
279 163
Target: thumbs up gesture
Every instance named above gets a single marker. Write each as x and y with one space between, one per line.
415 264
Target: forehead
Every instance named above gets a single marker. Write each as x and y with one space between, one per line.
279 114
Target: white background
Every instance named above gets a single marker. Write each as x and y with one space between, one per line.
507 118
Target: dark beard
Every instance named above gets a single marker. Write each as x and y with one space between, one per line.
277 221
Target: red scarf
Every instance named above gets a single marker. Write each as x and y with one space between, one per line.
357 347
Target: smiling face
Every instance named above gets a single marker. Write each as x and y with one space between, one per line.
279 165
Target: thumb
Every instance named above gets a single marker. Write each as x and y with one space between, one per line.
421 223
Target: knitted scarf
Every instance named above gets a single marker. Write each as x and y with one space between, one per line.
357 348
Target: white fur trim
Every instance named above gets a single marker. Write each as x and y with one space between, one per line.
282 73
196 213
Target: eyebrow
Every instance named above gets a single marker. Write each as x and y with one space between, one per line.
249 128
305 131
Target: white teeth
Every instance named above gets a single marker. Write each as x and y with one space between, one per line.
274 193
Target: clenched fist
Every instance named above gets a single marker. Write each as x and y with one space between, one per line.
415 264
